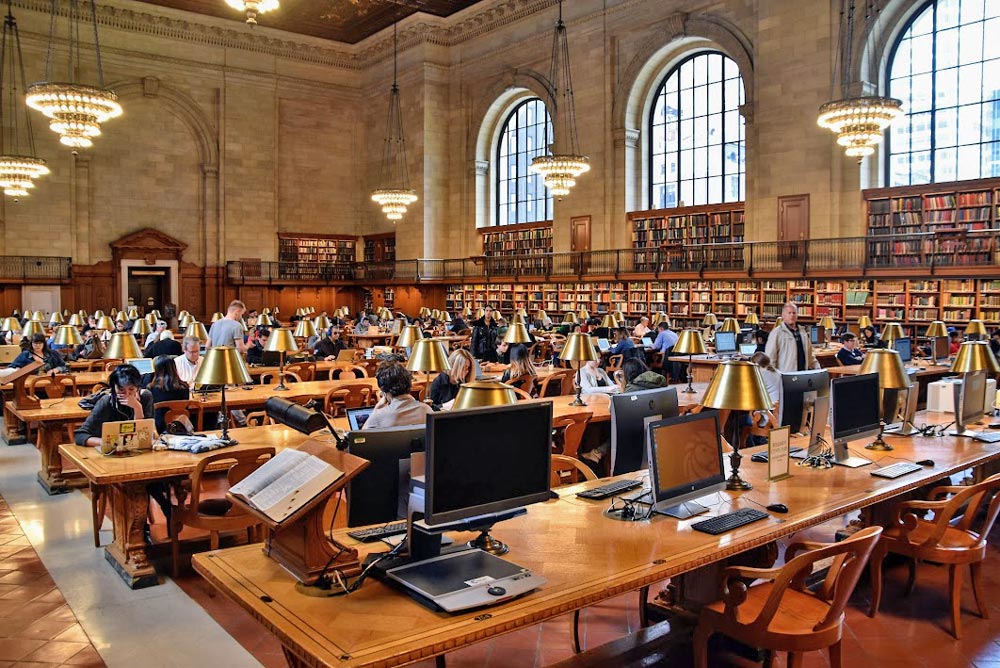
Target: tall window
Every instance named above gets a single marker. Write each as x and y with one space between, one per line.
697 138
946 70
521 194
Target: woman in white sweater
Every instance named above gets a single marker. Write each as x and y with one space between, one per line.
594 380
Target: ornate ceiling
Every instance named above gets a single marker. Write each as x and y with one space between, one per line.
347 21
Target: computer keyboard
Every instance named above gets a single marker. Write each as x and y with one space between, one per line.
378 533
896 470
611 489
729 521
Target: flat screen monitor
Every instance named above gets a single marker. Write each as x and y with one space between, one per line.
725 343
380 492
814 335
804 403
630 413
483 461
904 347
685 456
942 349
855 407
143 364
970 404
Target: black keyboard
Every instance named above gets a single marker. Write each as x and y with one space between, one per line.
729 521
378 533
896 470
609 490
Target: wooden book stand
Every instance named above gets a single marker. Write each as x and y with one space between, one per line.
18 378
300 543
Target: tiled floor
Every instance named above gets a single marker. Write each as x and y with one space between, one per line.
37 627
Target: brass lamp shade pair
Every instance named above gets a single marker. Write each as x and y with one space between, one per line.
659 317
690 343
891 376
737 386
67 335
305 329
223 365
467 312
730 325
197 329
480 313
517 333
122 346
579 348
31 328
408 336
424 311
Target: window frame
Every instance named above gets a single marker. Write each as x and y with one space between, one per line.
511 115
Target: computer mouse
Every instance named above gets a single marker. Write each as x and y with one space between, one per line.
926 462
778 508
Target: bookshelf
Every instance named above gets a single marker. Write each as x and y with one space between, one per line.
315 257
690 225
380 247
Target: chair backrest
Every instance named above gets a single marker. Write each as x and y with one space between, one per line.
55 386
568 470
756 428
551 385
525 382
258 419
615 362
349 395
176 408
967 503
265 378
349 372
306 371
521 394
244 463
848 561
571 428
418 389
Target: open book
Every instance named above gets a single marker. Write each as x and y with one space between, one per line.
286 483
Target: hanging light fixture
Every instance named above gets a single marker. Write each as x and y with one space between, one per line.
859 121
560 171
75 110
18 168
394 193
253 7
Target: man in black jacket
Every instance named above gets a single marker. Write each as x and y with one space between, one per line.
484 337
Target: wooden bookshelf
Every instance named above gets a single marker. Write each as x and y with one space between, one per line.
689 225
380 247
525 244
315 256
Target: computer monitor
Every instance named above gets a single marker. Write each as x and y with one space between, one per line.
485 461
143 364
804 403
814 335
380 492
685 456
970 402
630 413
942 349
603 345
856 410
904 347
899 408
725 343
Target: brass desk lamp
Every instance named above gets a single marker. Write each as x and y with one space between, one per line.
579 348
428 355
223 365
197 330
690 343
891 376
827 323
280 341
122 346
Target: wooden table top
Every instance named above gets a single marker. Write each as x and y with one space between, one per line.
927 370
377 626
711 359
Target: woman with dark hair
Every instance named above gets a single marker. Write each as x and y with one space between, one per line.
869 339
166 385
37 350
127 401
520 365
397 407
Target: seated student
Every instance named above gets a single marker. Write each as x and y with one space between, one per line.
37 350
641 329
849 353
760 338
869 339
330 345
165 346
503 352
256 343
624 346
127 401
520 365
397 408
166 385
638 377
995 342
956 341
595 380
457 324
92 348
462 369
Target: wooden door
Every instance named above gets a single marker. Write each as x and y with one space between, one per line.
793 229
579 242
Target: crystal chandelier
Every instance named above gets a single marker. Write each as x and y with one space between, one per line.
75 110
18 170
395 194
861 121
253 7
561 170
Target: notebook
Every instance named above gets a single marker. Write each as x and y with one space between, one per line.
143 364
128 436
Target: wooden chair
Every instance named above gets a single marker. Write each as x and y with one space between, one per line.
192 410
55 387
756 429
614 363
521 394
569 471
291 377
954 536
306 371
552 385
419 390
350 395
569 430
216 515
525 382
782 614
348 372
258 419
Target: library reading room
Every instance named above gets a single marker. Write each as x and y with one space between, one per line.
336 334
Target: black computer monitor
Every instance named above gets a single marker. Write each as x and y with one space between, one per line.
970 402
904 347
630 413
685 457
942 349
804 403
814 335
380 492
484 461
725 343
855 408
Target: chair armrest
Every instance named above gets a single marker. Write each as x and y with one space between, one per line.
801 546
945 490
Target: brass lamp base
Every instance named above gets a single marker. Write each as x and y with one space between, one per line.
690 388
737 484
878 444
488 543
579 391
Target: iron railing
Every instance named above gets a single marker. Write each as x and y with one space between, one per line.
923 252
31 268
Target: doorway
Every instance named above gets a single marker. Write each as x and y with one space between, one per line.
579 242
793 230
149 287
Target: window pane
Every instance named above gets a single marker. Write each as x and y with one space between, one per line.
715 98
968 162
920 132
946 83
947 48
970 83
991 159
946 127
968 124
944 164
521 194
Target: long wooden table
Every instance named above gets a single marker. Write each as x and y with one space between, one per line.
585 556
703 366
926 375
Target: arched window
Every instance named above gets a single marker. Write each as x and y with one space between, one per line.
521 194
945 67
697 138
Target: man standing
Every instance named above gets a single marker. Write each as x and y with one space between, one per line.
229 330
485 332
189 361
788 345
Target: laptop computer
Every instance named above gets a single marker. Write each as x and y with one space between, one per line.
128 436
647 341
143 364
357 417
8 353
748 349
603 345
347 355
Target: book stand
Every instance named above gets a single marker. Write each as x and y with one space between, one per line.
300 543
18 378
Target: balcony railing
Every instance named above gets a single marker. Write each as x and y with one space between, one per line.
30 268
923 252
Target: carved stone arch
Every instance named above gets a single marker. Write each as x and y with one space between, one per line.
870 55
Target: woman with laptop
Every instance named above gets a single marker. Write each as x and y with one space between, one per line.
37 350
126 402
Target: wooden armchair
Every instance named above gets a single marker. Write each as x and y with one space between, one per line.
525 382
306 371
349 395
291 377
614 363
348 372
781 614
192 410
568 432
756 429
258 419
569 470
55 387
521 394
215 515
955 536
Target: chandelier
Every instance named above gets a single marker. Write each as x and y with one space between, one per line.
253 7
394 193
75 110
860 122
560 171
18 170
